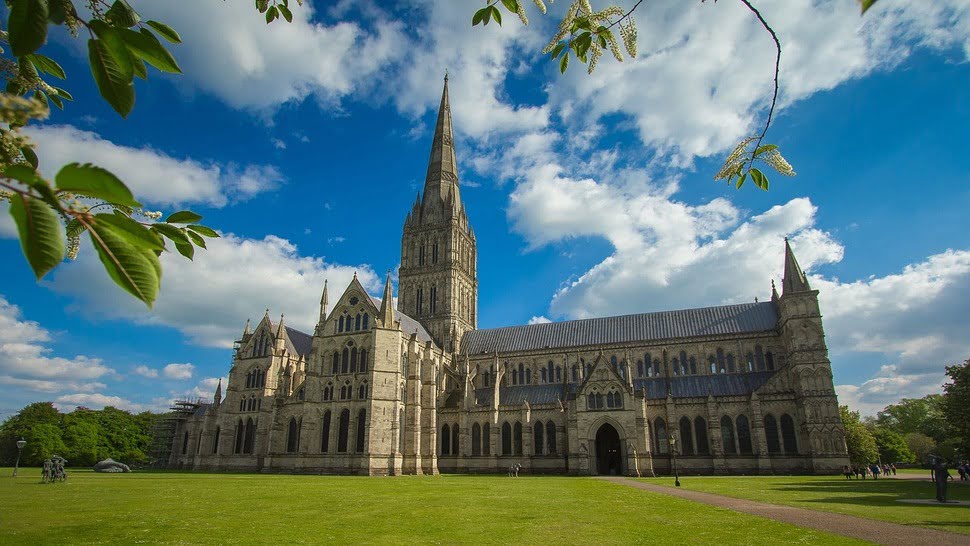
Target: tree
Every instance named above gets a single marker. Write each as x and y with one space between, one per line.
20 425
956 405
892 446
923 415
81 439
43 442
920 445
858 440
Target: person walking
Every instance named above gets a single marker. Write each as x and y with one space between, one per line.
847 472
874 468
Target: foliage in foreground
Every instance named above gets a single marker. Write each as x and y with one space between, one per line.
956 405
83 436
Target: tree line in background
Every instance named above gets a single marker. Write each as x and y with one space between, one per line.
83 436
913 429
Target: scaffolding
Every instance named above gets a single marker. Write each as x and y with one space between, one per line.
163 433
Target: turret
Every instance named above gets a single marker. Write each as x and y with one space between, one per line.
387 304
217 399
323 310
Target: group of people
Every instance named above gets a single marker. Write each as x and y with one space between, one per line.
964 470
861 471
53 470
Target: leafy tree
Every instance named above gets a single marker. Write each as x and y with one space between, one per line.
81 439
956 406
892 446
19 426
858 440
920 445
43 442
923 415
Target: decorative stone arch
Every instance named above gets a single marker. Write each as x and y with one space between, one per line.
606 446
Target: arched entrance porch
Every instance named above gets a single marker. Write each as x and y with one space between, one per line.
609 458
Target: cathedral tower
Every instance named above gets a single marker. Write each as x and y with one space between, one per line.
438 284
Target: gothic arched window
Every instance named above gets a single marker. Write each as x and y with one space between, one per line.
721 363
770 361
361 430
730 362
506 439
344 360
445 439
476 440
353 360
215 441
744 435
676 365
362 364
325 433
700 429
788 434
336 363
362 391
659 436
240 432
454 439
344 431
686 437
771 434
366 321
292 436
537 442
185 443
486 440
727 436
250 436
340 324
551 448
759 358
693 366
543 370
517 438
357 323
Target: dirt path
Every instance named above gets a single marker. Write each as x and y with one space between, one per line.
880 532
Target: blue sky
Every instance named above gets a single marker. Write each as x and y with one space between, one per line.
305 144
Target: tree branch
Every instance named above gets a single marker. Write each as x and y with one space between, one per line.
774 96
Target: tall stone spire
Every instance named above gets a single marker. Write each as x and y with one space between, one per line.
323 302
217 399
387 303
795 279
442 177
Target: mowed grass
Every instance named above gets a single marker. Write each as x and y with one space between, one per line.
874 499
190 508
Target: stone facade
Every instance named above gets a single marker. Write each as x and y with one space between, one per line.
419 389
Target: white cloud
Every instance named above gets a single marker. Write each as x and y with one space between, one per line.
68 402
178 371
539 320
145 371
26 362
154 176
233 54
206 388
210 298
703 77
278 144
887 386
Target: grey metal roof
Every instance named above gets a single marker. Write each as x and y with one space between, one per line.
685 323
408 325
200 411
301 341
703 385
533 394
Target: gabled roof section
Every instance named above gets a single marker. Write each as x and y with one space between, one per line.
686 323
302 341
408 324
741 384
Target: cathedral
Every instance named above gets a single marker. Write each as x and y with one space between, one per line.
417 388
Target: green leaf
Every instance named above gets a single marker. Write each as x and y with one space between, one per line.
57 101
23 174
138 68
133 232
183 217
57 12
27 26
41 236
759 179
511 5
558 49
261 5
865 5
94 182
122 15
564 63
175 233
195 238
145 46
203 230
135 269
166 31
113 73
271 14
48 65
287 14
479 16
29 155
741 179
63 94
764 148
488 15
497 15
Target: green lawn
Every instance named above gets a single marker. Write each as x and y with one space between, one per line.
875 499
279 509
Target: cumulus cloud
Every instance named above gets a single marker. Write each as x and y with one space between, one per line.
539 320
26 360
145 371
703 78
234 55
154 176
68 402
210 298
178 371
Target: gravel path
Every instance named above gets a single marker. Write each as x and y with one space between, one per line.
880 532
